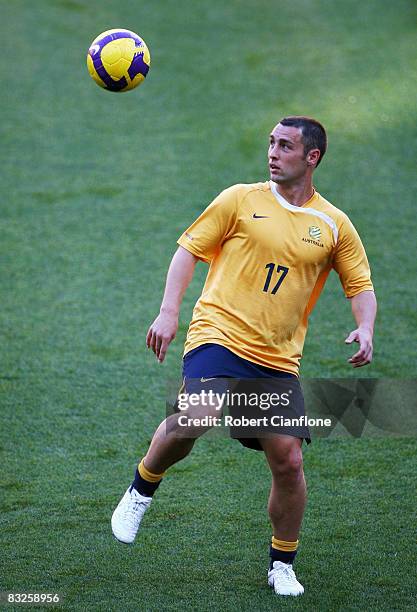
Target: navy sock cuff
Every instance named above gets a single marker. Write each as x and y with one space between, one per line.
144 487
281 555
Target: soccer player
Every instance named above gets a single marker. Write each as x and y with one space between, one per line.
270 247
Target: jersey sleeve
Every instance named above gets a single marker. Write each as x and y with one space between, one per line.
350 261
216 223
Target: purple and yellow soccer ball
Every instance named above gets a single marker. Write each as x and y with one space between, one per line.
118 60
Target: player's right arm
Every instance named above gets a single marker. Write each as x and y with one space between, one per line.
164 328
201 241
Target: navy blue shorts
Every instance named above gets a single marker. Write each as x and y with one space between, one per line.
271 398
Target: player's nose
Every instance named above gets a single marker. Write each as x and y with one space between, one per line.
273 152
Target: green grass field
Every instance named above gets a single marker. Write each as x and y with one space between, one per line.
96 188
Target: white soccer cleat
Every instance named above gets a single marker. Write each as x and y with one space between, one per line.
283 580
128 515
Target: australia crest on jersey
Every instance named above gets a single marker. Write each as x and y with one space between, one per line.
314 232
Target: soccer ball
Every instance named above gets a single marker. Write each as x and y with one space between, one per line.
118 60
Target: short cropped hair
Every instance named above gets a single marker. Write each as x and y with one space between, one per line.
313 133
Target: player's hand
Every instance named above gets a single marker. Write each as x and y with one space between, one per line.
364 355
161 333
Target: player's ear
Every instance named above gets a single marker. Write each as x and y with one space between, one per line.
313 157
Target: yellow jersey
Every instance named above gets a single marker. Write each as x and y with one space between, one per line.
268 262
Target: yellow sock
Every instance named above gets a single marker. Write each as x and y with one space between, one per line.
147 475
282 550
284 545
146 482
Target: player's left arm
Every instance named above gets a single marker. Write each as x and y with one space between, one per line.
351 263
364 308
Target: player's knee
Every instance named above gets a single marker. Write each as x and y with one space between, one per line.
289 465
184 427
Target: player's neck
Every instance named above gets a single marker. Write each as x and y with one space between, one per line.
297 194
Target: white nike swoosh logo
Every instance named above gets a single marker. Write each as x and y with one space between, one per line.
95 49
207 379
